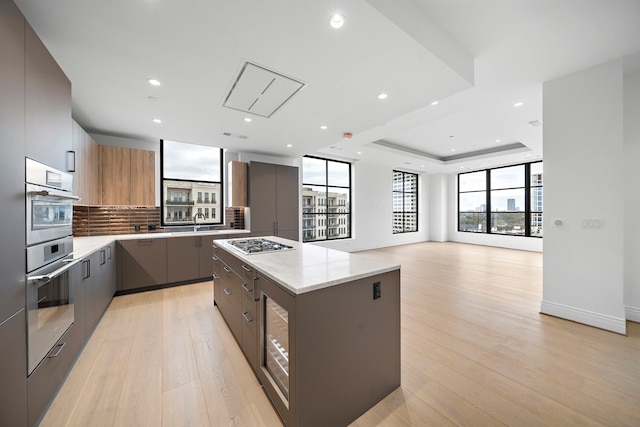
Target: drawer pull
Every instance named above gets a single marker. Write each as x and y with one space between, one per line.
57 353
245 268
246 287
246 316
227 291
215 276
227 269
215 258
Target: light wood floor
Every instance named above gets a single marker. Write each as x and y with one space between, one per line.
475 351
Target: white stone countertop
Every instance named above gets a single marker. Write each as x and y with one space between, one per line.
308 267
84 246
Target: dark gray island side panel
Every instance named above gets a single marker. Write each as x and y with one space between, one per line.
347 349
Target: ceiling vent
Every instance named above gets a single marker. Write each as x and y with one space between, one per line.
234 135
260 91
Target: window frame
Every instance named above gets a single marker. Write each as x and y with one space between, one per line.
322 231
488 213
404 211
194 207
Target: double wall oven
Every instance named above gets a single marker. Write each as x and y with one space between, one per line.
49 208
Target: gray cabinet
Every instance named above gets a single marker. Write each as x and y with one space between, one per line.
45 380
94 288
273 200
105 280
48 125
233 293
13 371
189 258
12 208
142 263
183 259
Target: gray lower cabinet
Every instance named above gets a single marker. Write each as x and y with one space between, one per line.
183 258
98 284
45 380
142 263
233 293
13 370
273 199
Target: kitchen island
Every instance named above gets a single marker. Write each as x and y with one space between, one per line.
319 327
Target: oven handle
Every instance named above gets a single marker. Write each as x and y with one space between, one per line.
50 276
56 195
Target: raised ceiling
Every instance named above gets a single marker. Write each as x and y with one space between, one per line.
477 58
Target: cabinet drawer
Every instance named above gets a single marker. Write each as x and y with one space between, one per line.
229 301
43 383
232 262
250 331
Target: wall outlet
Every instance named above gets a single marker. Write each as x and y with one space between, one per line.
136 227
377 290
151 227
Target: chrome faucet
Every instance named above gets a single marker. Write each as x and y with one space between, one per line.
195 220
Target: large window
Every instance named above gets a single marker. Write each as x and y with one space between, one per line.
506 200
326 199
188 172
405 202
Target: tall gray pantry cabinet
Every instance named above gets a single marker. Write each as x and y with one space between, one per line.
35 122
13 335
273 200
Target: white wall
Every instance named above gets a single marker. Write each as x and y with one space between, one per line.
632 195
583 158
510 242
438 207
372 210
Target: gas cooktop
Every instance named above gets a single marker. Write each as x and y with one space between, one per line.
258 245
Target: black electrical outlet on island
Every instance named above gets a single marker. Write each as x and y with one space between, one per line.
377 290
151 227
136 227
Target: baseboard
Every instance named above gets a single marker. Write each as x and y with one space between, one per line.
632 314
602 321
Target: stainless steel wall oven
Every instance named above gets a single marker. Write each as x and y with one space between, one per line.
49 201
49 209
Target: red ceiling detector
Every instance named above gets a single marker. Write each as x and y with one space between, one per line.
347 135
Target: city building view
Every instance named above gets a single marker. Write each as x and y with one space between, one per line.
507 200
325 215
189 202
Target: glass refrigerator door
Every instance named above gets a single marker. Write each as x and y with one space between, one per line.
276 342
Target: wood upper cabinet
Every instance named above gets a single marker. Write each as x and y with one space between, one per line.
237 183
128 176
143 184
47 105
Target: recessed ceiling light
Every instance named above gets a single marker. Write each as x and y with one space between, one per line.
359 152
518 104
153 82
336 21
289 145
422 165
453 150
157 121
434 103
247 119
382 95
461 167
323 127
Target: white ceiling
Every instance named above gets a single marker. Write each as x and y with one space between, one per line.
476 57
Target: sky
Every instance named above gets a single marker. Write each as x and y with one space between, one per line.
190 161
